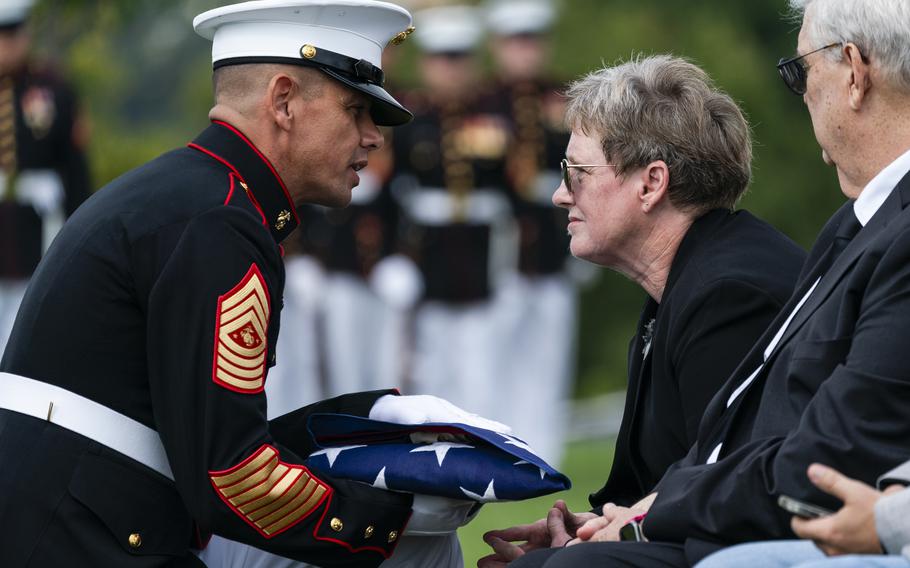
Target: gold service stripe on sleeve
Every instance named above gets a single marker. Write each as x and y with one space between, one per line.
262 458
297 514
256 484
258 507
268 493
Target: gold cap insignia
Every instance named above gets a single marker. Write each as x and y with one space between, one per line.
135 540
368 532
336 524
393 536
399 39
308 51
283 219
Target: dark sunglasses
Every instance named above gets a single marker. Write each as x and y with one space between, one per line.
564 165
793 70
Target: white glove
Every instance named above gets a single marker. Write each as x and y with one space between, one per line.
423 408
432 515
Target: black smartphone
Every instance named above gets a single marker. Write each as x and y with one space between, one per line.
631 531
800 509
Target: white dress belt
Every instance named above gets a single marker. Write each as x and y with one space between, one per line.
86 417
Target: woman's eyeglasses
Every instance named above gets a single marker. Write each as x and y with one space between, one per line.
793 70
564 165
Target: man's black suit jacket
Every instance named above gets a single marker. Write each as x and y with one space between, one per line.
729 279
836 390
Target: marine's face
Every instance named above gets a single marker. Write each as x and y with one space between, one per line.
448 73
331 143
13 48
520 57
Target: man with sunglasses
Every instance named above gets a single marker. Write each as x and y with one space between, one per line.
829 381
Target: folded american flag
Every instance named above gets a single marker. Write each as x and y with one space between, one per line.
476 464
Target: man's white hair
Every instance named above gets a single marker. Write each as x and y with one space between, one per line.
880 28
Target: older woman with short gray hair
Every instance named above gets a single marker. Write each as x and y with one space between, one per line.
657 160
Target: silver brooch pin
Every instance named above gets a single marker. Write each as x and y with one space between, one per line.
646 336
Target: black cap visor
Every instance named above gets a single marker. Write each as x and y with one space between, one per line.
357 74
385 110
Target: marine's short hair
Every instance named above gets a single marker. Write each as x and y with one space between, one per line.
879 28
665 108
235 84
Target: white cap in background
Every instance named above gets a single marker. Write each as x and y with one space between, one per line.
14 12
518 17
448 29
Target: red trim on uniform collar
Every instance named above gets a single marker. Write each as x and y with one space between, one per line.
265 160
234 173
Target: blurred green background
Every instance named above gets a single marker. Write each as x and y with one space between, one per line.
144 78
145 83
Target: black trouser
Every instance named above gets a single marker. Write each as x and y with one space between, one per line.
604 554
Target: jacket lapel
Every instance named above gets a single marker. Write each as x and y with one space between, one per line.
718 417
891 208
640 363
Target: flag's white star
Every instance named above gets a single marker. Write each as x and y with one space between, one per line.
441 449
523 462
332 453
488 495
380 480
519 444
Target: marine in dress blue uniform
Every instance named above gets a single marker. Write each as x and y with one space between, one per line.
456 216
159 305
43 170
539 301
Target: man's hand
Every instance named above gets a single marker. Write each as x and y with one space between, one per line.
557 529
606 527
852 529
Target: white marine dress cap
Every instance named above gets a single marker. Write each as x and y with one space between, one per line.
342 38
448 29
14 12
518 17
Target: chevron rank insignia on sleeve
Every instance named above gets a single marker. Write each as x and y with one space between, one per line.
241 335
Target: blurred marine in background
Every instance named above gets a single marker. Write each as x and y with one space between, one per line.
455 213
538 309
43 170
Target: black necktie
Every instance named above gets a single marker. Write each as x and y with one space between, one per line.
845 233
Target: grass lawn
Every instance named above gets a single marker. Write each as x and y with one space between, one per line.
587 465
